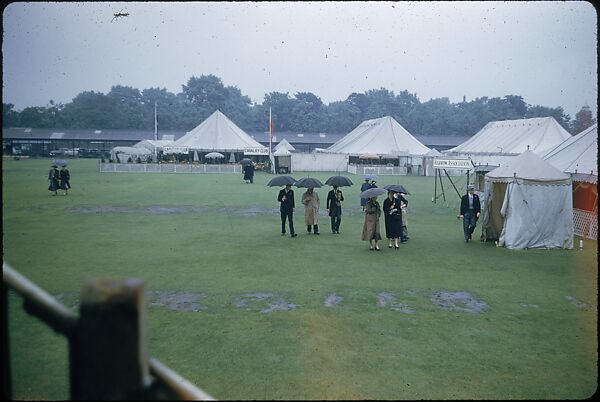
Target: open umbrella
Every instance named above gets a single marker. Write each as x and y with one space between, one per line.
308 182
373 192
281 181
339 181
245 161
370 177
59 162
397 188
214 155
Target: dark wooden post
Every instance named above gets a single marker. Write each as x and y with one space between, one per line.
6 376
110 356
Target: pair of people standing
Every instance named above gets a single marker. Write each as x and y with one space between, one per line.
59 179
393 212
249 173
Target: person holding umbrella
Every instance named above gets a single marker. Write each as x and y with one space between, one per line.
371 228
365 186
393 218
53 176
249 172
286 198
310 199
65 176
334 208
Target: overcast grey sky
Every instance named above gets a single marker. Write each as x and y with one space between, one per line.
543 51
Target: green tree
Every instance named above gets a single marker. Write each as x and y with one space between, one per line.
91 110
129 112
281 109
543 111
583 120
10 117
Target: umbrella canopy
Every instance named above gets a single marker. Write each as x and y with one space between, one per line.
281 181
245 161
370 177
373 192
59 162
308 182
339 181
396 188
214 155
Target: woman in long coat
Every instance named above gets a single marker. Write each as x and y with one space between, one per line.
65 176
371 228
310 199
393 218
53 176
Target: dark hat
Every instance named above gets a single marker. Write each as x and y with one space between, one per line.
54 166
470 187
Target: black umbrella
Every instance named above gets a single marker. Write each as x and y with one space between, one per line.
339 181
308 182
245 161
281 181
396 188
373 192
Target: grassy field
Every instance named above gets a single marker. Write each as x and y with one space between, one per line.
262 329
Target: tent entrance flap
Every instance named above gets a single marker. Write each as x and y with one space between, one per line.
494 221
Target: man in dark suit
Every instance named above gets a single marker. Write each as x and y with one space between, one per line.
286 198
470 209
334 208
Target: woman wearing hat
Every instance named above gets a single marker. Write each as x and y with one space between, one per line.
371 229
393 218
65 176
53 176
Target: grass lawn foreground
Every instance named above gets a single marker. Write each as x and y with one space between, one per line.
245 313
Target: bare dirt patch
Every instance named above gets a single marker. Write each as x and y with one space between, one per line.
274 302
179 301
332 300
386 299
577 303
458 301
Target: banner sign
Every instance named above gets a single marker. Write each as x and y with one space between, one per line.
256 151
439 163
175 150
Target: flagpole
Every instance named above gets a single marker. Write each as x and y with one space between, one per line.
155 124
271 141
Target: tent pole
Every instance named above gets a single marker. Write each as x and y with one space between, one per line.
442 186
445 171
435 187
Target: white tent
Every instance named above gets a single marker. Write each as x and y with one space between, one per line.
383 136
284 144
153 145
528 204
578 155
428 161
130 154
499 141
217 133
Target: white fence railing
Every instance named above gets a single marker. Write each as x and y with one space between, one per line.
167 168
585 224
378 170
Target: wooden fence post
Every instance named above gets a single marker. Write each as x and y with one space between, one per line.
110 356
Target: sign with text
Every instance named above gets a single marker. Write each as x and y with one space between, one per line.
440 163
256 151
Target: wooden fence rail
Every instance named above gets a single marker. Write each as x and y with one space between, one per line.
108 357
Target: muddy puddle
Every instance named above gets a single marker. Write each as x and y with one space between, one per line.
458 301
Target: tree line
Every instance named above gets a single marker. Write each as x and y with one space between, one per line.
124 107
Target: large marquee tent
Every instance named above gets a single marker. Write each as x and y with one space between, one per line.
500 141
578 156
383 136
528 204
217 133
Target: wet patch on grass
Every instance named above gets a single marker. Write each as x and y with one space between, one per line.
458 301
179 301
274 302
386 299
577 303
332 300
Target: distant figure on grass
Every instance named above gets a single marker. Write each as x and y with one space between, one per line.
65 176
393 218
365 186
470 209
371 229
334 208
249 173
286 198
53 176
404 206
310 199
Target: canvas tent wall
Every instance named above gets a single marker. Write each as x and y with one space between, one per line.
528 204
217 133
500 141
284 144
130 154
283 160
383 136
578 156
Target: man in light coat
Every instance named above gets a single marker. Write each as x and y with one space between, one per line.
310 199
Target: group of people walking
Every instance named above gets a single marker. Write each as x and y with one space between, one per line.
310 200
394 210
59 179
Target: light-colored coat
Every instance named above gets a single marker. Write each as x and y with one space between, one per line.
311 205
371 228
